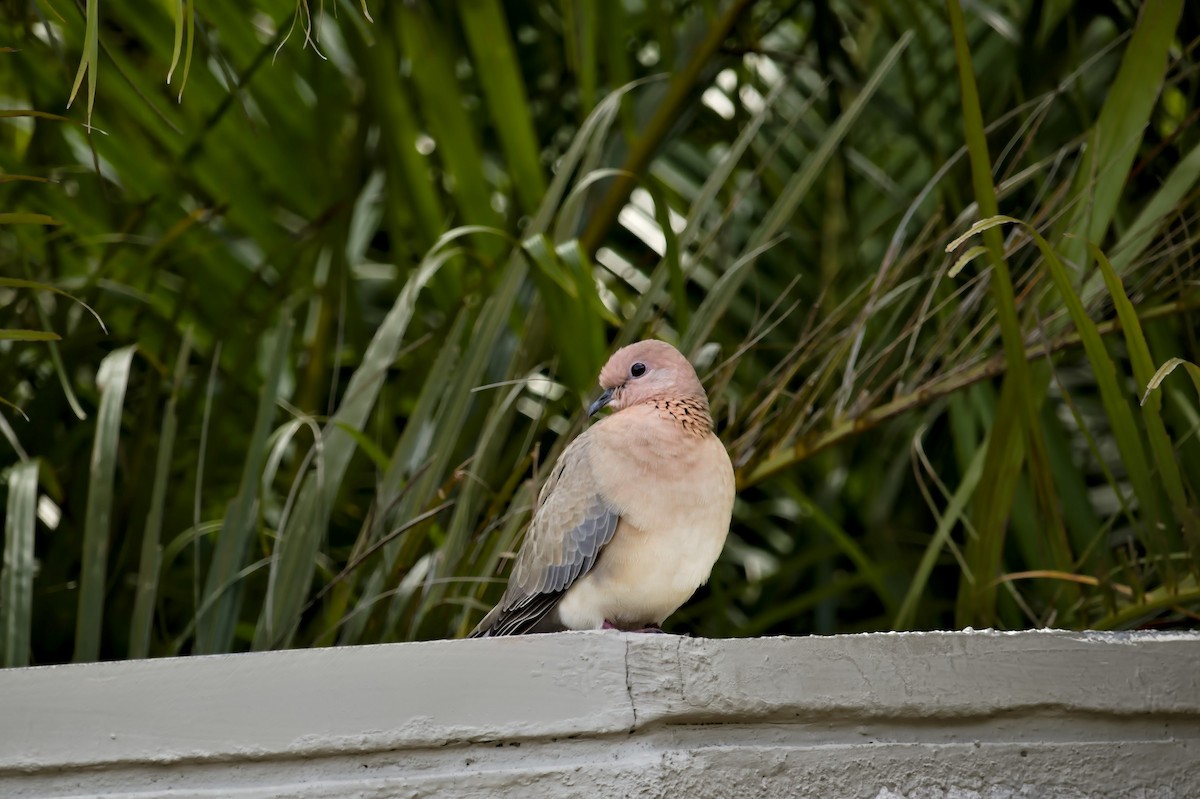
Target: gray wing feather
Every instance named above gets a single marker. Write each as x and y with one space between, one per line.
580 546
571 525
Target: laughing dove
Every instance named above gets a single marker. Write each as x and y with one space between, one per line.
634 513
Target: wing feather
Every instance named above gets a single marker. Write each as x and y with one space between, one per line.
571 525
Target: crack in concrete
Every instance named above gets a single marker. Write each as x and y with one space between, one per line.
679 670
629 689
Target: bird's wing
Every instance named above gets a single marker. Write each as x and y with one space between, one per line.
572 523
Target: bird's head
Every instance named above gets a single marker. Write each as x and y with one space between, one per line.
647 372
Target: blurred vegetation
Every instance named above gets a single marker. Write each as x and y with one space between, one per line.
299 299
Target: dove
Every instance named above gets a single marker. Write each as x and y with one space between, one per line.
634 513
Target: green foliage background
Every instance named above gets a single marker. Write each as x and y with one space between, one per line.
288 342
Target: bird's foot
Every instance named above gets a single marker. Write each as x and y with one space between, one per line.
653 628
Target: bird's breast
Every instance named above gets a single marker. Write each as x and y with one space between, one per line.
675 509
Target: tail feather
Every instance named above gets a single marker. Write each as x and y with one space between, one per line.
533 614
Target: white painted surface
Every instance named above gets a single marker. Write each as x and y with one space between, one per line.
882 716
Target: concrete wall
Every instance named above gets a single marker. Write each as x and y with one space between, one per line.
921 715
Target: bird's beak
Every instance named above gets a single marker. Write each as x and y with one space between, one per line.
600 402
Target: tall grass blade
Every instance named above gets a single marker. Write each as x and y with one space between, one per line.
150 563
177 9
487 348
665 116
29 219
466 508
409 461
1116 406
1002 468
450 401
1164 371
112 380
11 334
60 369
1128 104
784 209
1163 205
693 227
569 293
16 576
798 186
954 513
222 596
407 169
17 283
499 74
294 559
88 62
1143 372
440 95
976 602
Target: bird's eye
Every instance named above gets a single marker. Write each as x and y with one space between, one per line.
638 369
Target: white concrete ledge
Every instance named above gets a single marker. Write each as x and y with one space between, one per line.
609 714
